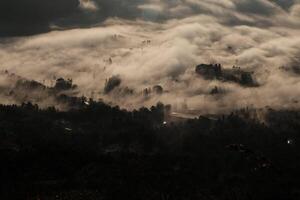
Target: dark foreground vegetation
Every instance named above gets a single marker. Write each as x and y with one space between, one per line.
100 152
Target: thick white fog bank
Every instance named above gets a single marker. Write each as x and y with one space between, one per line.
163 45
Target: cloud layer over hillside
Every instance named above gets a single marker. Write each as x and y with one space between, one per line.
159 42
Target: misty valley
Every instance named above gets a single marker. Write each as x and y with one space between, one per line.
149 99
88 149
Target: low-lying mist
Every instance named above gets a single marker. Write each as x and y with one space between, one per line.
136 54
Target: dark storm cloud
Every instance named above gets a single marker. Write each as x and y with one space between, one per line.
285 4
255 7
26 17
21 17
92 12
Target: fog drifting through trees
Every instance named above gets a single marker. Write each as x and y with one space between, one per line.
149 43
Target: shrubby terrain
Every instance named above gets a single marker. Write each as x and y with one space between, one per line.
96 151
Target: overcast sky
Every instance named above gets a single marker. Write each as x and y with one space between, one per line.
76 39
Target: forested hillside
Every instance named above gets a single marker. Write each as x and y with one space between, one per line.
101 152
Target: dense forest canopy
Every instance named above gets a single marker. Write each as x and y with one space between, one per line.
101 151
